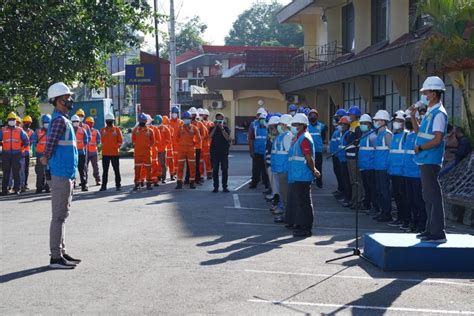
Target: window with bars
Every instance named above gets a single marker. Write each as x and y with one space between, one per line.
351 96
379 20
385 92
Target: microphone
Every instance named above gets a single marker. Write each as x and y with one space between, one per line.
417 105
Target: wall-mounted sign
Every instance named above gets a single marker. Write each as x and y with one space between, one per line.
144 74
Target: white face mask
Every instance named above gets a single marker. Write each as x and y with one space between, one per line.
174 115
397 125
81 118
11 123
75 124
46 125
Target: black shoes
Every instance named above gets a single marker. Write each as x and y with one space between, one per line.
395 223
136 187
423 234
435 238
215 190
102 188
156 184
118 188
252 186
84 188
225 190
279 219
71 259
172 178
192 185
148 186
61 263
302 233
179 185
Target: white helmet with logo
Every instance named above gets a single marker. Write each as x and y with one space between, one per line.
433 83
365 118
75 118
400 115
274 120
57 89
286 119
300 118
382 115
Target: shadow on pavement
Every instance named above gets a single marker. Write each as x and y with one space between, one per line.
24 273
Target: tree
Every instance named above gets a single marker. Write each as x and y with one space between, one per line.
189 34
258 26
48 41
451 47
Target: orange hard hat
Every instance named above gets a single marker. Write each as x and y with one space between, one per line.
166 120
89 119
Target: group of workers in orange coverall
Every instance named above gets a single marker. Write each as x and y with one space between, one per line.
179 146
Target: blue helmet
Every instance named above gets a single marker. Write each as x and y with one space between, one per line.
306 111
341 112
292 108
354 110
300 110
186 115
269 116
175 109
46 118
142 117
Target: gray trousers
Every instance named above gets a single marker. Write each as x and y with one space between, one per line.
435 223
357 186
95 166
61 196
283 179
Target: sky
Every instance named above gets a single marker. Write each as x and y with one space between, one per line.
219 15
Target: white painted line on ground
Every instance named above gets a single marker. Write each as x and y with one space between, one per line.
364 307
241 186
236 200
360 277
316 227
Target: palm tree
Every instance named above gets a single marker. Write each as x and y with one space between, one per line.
452 44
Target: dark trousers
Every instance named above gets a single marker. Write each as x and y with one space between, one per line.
106 160
259 171
399 193
222 160
197 162
435 222
302 205
27 169
382 184
11 163
318 163
346 182
336 167
82 169
40 171
415 202
370 197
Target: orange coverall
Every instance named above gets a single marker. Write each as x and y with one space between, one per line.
169 149
204 135
187 138
175 125
165 132
205 153
143 138
154 156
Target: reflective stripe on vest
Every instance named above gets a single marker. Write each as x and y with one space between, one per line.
41 140
92 146
80 133
67 142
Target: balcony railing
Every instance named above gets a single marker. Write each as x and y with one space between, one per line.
317 57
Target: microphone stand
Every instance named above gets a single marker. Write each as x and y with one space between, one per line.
356 250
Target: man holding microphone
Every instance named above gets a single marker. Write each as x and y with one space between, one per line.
220 143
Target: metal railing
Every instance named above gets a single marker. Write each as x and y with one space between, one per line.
318 57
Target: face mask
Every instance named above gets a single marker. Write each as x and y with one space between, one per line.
280 129
377 124
45 125
81 119
109 123
292 113
262 122
397 125
313 120
424 99
174 115
187 121
142 124
69 103
75 124
339 128
334 121
294 130
27 125
364 127
11 123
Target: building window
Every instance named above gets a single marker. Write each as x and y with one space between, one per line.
379 20
225 64
351 96
385 94
205 71
348 27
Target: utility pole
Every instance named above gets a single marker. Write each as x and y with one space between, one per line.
158 69
172 52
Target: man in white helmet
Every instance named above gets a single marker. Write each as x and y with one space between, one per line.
257 136
62 159
429 151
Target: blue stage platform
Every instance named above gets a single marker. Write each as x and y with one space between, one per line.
403 252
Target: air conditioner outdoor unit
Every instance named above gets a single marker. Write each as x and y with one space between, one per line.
217 104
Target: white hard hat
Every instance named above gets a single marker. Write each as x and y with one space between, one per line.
300 118
274 120
200 111
57 89
205 112
75 118
286 119
400 115
261 110
263 115
365 118
109 116
382 115
433 83
193 110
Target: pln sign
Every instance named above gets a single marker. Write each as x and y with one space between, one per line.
143 75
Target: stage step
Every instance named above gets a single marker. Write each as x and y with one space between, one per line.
403 252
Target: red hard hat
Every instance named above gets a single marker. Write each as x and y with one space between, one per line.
344 120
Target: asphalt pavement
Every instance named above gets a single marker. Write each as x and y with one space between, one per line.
196 252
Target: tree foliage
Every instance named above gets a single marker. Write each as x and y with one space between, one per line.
48 41
258 26
189 34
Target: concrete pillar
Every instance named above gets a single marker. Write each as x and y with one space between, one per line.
364 84
335 92
401 79
398 19
362 24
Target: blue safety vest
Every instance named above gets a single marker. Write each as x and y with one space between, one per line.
381 151
297 168
279 157
342 154
63 162
410 168
432 156
260 141
395 156
335 141
366 154
315 132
